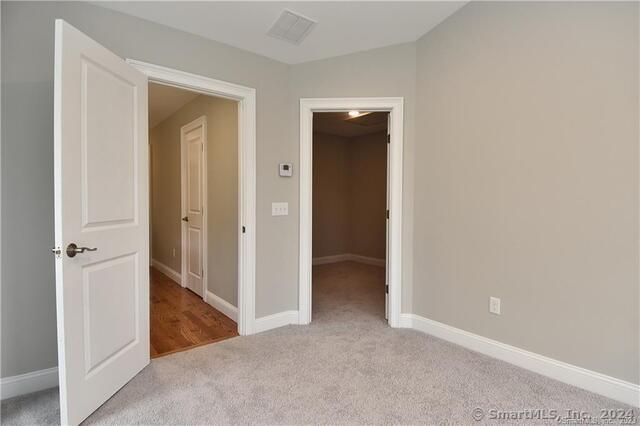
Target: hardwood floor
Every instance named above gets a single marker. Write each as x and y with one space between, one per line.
181 320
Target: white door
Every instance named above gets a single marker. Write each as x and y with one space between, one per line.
387 263
192 140
101 205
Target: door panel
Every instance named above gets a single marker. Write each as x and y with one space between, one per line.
110 311
193 139
195 250
101 202
194 171
108 197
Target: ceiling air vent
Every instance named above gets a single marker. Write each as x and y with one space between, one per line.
291 27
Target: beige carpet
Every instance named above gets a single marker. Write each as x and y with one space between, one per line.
347 367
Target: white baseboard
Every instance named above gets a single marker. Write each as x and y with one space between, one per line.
276 320
346 257
28 382
592 381
171 273
368 260
222 305
330 259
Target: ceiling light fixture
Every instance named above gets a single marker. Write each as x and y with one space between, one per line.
354 113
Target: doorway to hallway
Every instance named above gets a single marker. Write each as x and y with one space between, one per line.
193 142
350 153
393 107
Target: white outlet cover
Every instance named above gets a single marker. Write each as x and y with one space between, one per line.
285 169
494 305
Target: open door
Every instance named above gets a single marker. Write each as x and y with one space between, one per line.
101 222
386 257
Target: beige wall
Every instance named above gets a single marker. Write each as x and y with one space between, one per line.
165 195
222 191
388 71
349 195
527 184
330 195
367 192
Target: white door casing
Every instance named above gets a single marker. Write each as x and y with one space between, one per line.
246 98
193 143
386 222
394 237
101 201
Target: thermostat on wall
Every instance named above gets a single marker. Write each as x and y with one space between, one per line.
286 169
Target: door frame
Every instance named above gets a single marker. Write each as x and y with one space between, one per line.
394 106
246 98
200 121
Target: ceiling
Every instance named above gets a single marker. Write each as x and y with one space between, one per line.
165 100
342 26
340 124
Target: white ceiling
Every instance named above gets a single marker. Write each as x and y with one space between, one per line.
165 100
340 124
343 27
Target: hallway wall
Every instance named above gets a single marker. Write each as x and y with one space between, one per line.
349 195
222 191
367 192
330 195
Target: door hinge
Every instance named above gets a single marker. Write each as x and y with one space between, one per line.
386 288
388 138
387 213
244 230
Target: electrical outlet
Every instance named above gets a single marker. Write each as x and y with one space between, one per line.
173 252
494 305
279 209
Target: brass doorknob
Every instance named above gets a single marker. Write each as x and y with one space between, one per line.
186 218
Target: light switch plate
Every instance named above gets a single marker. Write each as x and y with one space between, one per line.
279 209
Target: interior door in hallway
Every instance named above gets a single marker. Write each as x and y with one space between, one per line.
101 222
193 142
